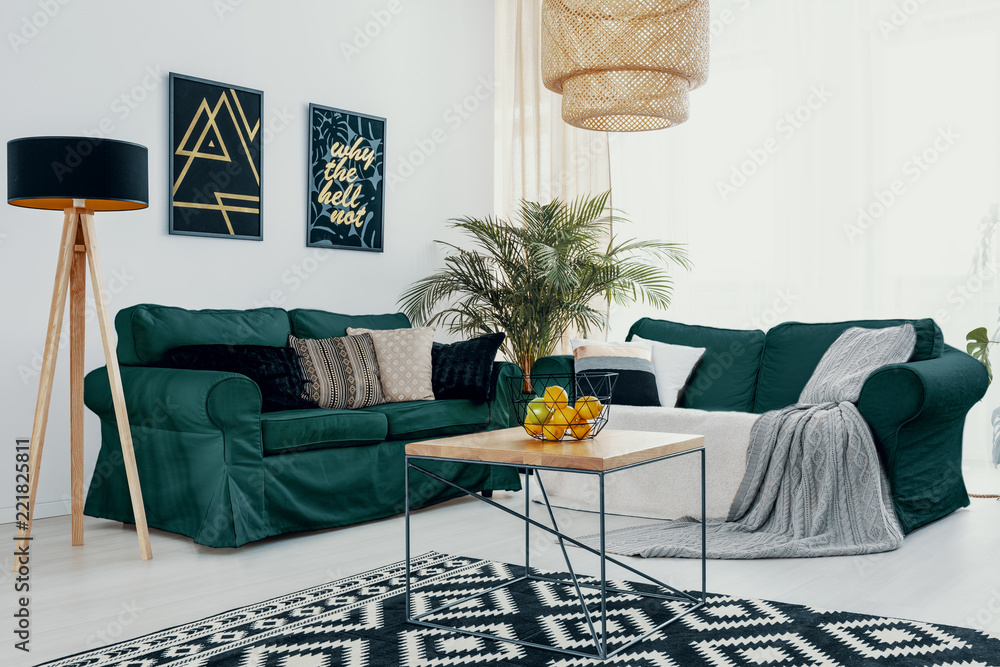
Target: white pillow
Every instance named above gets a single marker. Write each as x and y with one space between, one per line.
672 365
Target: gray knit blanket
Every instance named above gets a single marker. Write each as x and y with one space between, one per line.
813 484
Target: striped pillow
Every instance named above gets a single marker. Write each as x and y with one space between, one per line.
341 373
636 383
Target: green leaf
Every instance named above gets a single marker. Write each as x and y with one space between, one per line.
553 267
979 347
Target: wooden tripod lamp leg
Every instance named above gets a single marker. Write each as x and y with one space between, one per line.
48 368
77 338
114 375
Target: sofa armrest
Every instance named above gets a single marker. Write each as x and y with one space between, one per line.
557 364
198 448
917 414
502 400
183 401
943 388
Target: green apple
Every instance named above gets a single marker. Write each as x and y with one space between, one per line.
537 412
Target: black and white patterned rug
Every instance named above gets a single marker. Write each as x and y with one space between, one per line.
359 621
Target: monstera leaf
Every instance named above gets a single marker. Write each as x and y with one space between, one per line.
979 347
996 436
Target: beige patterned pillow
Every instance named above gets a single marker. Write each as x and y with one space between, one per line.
404 362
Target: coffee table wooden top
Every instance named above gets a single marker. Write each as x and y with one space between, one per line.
607 451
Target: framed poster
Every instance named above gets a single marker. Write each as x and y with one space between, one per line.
346 179
215 159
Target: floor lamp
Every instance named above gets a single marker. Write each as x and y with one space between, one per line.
78 175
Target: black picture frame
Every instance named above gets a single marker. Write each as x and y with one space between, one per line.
345 193
216 166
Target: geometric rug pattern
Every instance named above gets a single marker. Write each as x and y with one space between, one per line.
359 622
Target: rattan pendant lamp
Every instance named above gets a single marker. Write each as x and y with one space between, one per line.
624 65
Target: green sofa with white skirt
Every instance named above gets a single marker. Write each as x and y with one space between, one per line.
916 410
216 468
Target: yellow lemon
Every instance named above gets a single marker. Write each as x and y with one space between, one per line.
588 407
562 416
555 398
580 430
532 429
553 431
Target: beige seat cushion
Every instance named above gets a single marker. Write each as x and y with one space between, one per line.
404 362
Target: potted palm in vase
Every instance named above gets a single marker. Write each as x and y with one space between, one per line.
536 277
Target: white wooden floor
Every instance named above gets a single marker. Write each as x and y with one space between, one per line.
102 592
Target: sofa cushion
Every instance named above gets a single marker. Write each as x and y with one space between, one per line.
413 420
673 365
727 374
299 430
793 350
465 369
147 331
404 362
340 373
632 363
275 370
309 323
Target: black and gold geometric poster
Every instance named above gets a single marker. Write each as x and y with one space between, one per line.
346 179
215 159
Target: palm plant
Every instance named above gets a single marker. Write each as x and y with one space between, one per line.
536 278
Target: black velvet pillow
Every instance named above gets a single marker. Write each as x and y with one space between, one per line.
465 369
274 369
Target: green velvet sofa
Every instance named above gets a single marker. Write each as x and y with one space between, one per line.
916 410
214 467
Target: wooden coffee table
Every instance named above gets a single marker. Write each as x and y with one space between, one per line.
609 452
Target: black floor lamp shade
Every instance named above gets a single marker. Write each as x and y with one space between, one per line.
51 172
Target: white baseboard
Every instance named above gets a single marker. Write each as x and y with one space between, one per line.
41 511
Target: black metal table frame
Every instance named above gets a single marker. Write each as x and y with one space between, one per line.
600 639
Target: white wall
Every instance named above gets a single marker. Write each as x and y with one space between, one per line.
812 111
70 75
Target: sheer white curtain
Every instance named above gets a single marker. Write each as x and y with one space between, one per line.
837 165
538 157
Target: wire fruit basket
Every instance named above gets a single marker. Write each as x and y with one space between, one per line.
564 406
